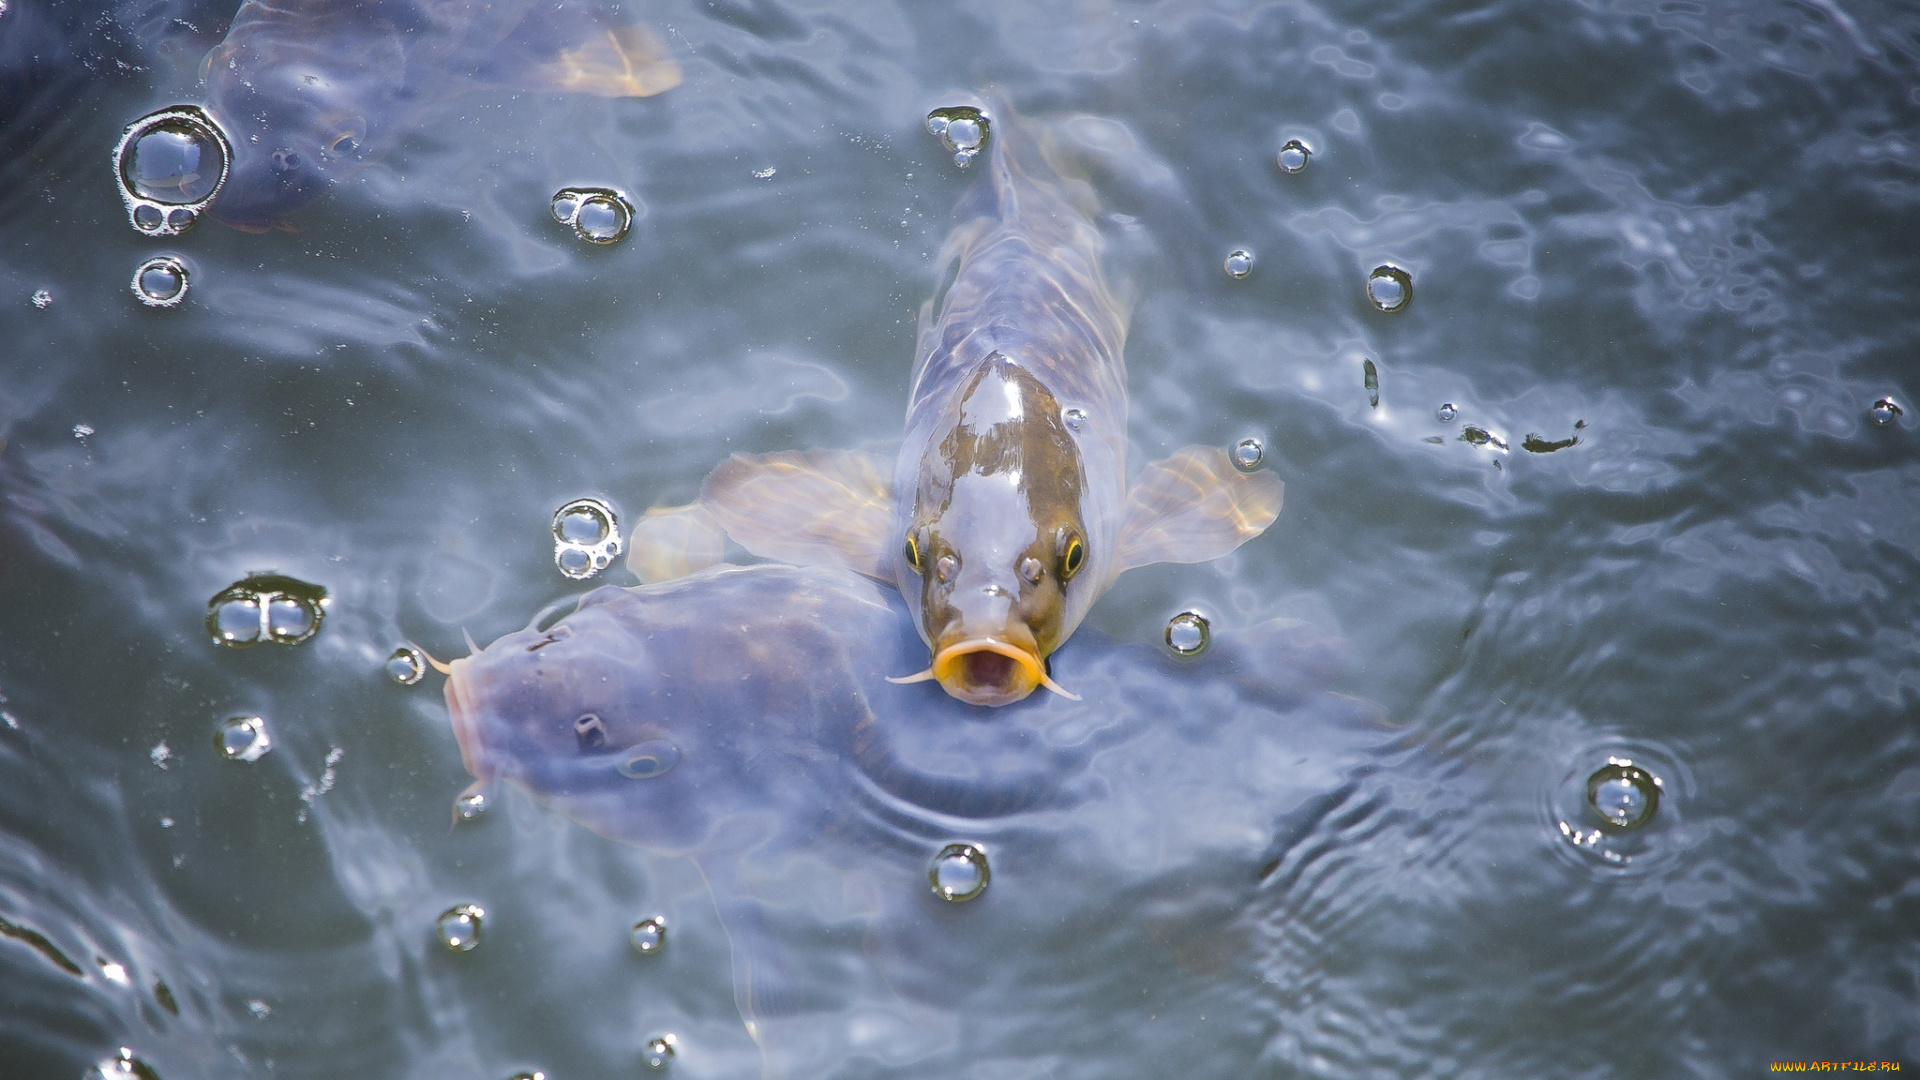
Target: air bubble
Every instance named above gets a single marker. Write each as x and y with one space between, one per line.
266 607
586 537
1445 413
406 665
42 299
1239 263
243 738
597 215
1075 418
161 282
1623 794
649 936
171 164
1248 454
123 1066
959 873
1294 156
660 1051
1188 633
1390 288
459 927
963 130
470 805
536 1074
1885 411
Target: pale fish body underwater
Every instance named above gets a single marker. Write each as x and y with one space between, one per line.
308 91
743 717
1008 510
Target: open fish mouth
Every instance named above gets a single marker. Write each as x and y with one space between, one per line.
987 671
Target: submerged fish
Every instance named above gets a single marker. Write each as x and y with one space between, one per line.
307 91
742 717
1008 512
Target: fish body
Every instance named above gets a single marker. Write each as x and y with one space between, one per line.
1008 510
743 717
309 91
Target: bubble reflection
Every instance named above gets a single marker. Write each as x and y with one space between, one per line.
959 873
659 1052
649 936
586 537
459 927
1619 806
160 282
1390 289
962 129
243 738
597 215
266 607
1294 156
1239 263
1248 454
170 165
1885 411
406 665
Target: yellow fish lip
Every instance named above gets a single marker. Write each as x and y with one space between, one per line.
466 730
969 671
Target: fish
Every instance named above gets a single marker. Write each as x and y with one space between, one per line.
742 717
307 92
1007 512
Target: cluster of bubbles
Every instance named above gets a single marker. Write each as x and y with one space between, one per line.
1188 633
962 129
1390 288
161 282
1239 263
1294 156
596 215
649 936
959 873
171 165
459 927
243 738
266 607
586 538
42 299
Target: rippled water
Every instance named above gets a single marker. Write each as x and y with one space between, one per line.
1627 496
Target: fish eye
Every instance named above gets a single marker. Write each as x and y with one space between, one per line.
344 145
912 552
1073 553
649 759
590 733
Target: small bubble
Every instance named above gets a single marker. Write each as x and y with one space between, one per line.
243 738
1370 378
123 1066
1446 413
81 431
962 130
1885 411
161 755
767 173
470 805
42 299
1075 418
660 1051
1623 794
406 665
161 282
1294 156
170 164
459 927
1390 289
597 215
1188 633
1248 454
1239 263
649 936
959 873
235 621
586 537
535 1074
260 1010
290 620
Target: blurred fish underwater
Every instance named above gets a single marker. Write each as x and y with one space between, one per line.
1579 333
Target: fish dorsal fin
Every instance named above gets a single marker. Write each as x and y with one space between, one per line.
675 541
565 47
1194 506
807 507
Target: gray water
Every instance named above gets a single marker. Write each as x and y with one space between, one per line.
1682 234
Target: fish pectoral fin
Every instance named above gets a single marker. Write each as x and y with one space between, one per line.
807 507
1194 506
565 46
672 542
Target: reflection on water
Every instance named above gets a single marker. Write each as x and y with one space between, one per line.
1638 487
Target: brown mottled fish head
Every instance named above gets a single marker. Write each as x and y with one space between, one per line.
998 537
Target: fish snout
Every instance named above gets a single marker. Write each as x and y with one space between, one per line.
463 709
